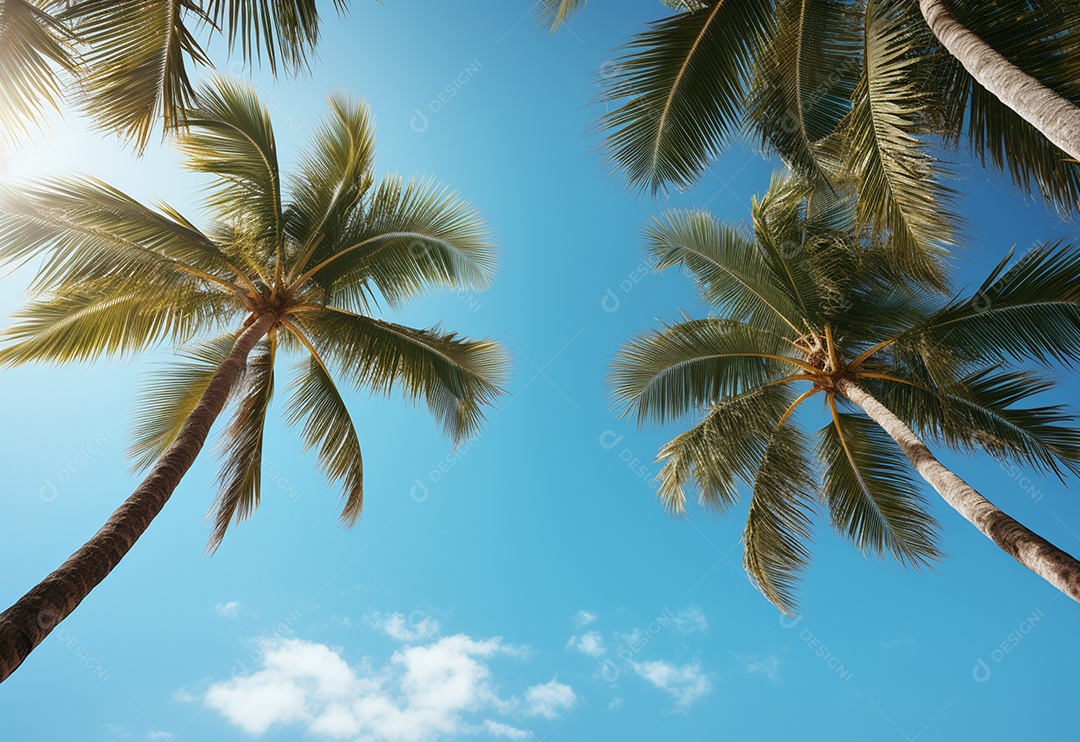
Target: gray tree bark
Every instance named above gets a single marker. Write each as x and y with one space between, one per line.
1050 113
1057 567
25 624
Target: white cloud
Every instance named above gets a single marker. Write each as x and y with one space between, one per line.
498 729
551 700
418 627
584 618
439 688
590 643
690 621
228 610
769 665
616 703
158 736
686 683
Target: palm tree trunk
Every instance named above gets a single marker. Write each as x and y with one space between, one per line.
1050 113
25 625
1033 551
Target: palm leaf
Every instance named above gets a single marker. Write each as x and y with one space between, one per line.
659 376
408 238
285 30
456 378
900 187
723 448
871 496
230 136
333 177
107 317
242 445
681 86
327 426
171 396
136 52
778 524
36 47
728 268
804 82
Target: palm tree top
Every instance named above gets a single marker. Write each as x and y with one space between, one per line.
318 252
806 299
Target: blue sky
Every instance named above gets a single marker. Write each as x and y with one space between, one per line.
527 586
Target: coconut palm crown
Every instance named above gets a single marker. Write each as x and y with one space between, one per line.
308 263
804 311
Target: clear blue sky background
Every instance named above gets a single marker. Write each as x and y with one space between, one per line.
615 622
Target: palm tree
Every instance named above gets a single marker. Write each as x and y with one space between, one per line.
848 93
128 59
809 299
297 270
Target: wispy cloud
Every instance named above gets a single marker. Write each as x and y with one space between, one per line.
769 665
228 610
685 683
584 618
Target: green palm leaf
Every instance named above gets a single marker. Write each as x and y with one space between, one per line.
778 525
681 86
170 396
454 377
242 445
662 375
722 449
410 237
871 496
900 187
327 426
135 54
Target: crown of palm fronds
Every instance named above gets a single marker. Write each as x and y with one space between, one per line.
810 298
129 60
319 253
849 94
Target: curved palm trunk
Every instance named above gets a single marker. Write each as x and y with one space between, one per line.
1033 551
25 625
1053 115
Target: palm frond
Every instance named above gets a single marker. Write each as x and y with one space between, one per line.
230 136
285 30
553 14
333 177
456 378
778 524
316 403
661 375
681 86
170 396
722 449
869 491
36 50
136 53
107 317
240 480
87 229
1029 310
409 237
804 82
728 268
980 412
900 185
